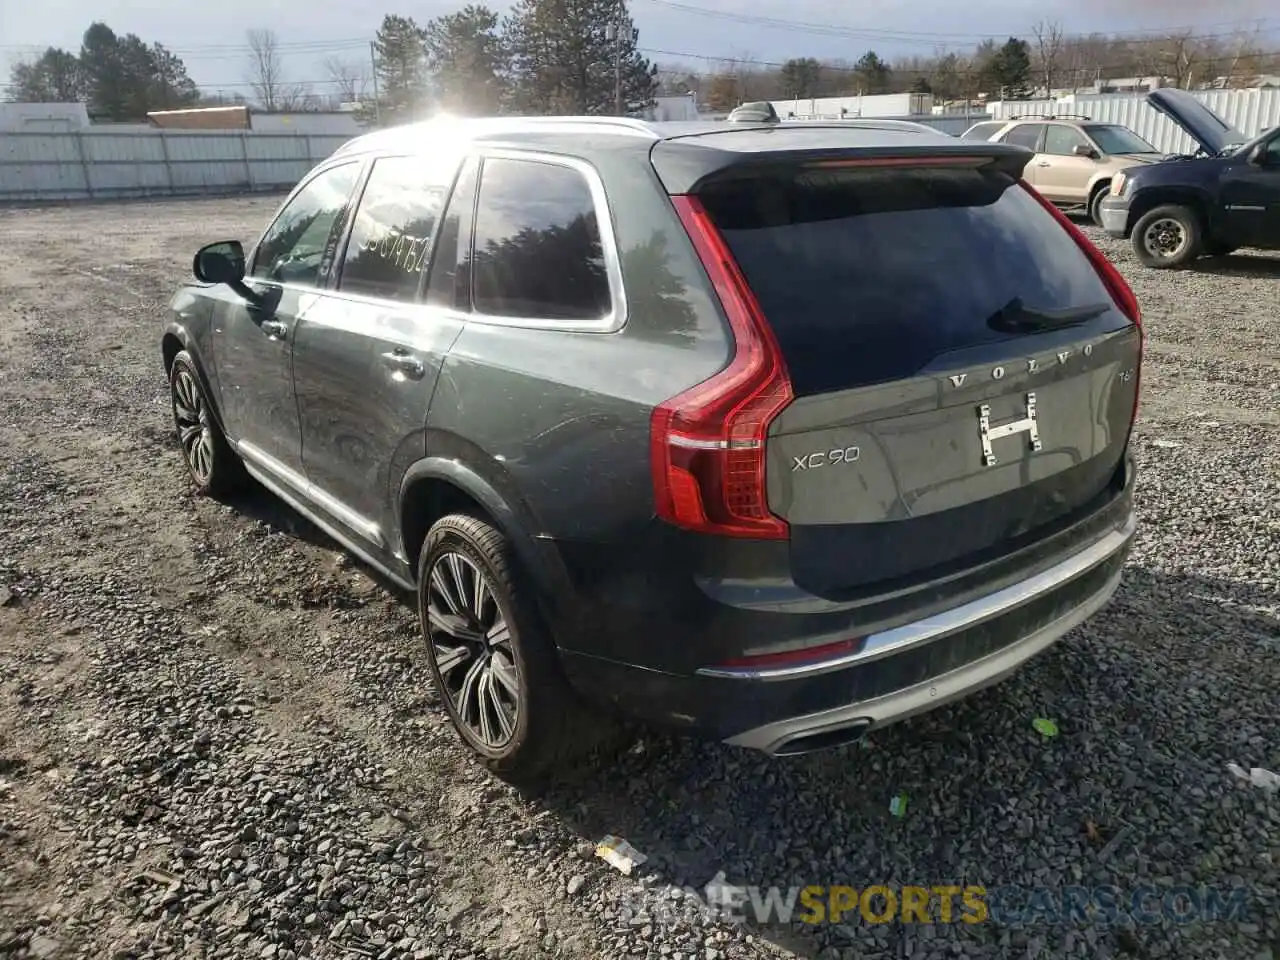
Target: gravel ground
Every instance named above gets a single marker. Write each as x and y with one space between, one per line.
218 737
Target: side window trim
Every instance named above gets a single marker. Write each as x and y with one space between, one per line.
469 161
616 318
357 195
252 259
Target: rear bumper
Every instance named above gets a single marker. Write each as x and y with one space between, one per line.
1004 616
1115 217
910 667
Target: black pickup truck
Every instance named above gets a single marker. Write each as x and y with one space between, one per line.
1226 195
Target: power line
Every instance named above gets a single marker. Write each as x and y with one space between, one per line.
920 37
720 58
845 68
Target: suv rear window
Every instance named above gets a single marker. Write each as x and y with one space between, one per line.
982 131
868 275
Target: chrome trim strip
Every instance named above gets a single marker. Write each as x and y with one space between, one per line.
921 698
290 477
889 642
616 318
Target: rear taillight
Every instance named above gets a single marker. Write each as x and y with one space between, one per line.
1120 291
707 445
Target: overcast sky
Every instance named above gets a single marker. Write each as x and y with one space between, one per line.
210 36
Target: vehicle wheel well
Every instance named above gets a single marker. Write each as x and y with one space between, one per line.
425 502
171 346
1145 204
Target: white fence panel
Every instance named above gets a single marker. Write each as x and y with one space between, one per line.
94 164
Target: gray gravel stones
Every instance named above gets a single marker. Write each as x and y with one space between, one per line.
218 736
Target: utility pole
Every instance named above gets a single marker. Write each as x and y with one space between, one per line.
377 103
617 62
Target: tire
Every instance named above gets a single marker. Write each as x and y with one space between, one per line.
493 664
1168 237
1095 204
214 468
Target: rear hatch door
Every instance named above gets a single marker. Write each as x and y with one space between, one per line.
963 377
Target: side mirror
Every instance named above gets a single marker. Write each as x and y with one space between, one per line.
223 262
1258 155
1084 150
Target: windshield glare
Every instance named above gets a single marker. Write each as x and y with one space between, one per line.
1112 138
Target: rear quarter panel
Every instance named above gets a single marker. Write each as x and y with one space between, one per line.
561 419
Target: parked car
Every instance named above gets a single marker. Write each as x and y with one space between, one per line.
1224 197
1075 157
772 433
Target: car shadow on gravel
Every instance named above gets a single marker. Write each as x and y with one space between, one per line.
1132 790
256 503
1239 265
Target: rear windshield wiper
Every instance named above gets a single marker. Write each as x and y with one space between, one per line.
1014 317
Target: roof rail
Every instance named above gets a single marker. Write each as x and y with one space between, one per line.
631 123
1051 116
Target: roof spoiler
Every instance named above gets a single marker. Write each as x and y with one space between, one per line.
685 165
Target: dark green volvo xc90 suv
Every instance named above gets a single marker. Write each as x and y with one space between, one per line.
770 432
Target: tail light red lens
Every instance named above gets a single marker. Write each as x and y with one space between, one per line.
707 445
1120 291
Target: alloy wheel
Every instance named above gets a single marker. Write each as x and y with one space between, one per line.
1165 238
194 431
471 643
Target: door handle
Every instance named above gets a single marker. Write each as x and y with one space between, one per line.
275 329
1043 163
406 363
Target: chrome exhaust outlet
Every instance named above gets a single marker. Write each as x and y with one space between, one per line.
824 739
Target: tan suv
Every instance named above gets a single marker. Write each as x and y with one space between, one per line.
1075 157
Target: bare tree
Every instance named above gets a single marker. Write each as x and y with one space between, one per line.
266 72
349 79
1245 60
1048 36
1176 56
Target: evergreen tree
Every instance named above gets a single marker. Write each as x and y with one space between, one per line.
122 78
103 70
1009 70
170 85
53 78
464 59
566 57
800 77
402 73
872 74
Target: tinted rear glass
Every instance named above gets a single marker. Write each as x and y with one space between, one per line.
982 131
1024 135
868 275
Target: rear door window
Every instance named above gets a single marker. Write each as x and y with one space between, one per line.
395 222
868 275
1025 135
537 250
